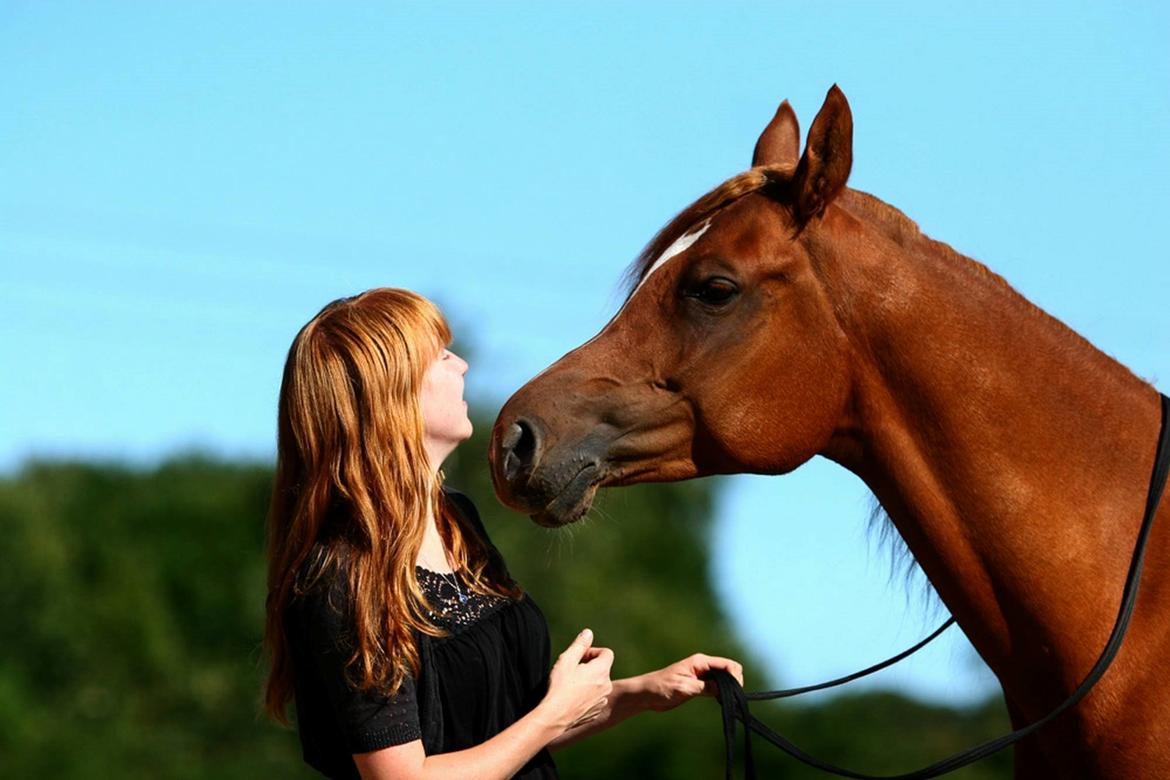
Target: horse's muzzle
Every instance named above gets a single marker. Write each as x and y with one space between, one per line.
554 485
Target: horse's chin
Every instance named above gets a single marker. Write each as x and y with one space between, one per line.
548 519
572 504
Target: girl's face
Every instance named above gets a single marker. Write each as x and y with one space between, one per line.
444 412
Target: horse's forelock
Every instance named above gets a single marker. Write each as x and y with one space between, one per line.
733 189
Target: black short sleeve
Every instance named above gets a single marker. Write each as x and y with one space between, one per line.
322 641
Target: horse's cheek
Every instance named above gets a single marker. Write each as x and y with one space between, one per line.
786 415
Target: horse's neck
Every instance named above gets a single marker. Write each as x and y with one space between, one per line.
1011 455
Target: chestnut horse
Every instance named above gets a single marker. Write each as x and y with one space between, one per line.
784 315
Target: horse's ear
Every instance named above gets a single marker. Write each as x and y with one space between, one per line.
828 156
779 144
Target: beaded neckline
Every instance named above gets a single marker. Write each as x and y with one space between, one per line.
455 606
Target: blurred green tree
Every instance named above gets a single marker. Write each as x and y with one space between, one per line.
133 603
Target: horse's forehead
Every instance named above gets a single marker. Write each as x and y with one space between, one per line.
676 248
680 245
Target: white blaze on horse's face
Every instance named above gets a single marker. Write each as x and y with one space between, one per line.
680 245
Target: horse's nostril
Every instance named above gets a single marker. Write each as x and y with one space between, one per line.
511 437
521 446
525 446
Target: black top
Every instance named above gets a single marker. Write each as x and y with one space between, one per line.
487 673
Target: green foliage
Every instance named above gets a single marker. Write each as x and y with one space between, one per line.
133 604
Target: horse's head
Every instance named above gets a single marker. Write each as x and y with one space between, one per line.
727 356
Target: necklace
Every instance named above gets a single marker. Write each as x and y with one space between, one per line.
449 578
454 582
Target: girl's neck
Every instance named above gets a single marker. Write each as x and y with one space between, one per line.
433 552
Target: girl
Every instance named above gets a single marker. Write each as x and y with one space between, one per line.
391 619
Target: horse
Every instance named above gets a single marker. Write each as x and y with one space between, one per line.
785 315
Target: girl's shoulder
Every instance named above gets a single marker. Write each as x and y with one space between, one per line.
321 593
463 503
467 510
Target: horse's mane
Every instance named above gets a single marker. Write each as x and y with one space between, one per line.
893 223
903 231
884 537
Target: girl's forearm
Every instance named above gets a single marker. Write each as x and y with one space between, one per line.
502 756
629 697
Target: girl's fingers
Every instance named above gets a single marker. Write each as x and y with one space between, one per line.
579 646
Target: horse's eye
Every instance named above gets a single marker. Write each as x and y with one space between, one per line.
715 291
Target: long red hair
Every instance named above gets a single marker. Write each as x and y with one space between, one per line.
354 487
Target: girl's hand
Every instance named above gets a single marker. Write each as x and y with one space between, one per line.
682 681
579 684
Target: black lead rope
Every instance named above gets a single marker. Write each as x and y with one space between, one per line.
734 700
760 695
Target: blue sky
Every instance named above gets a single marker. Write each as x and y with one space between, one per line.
183 185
